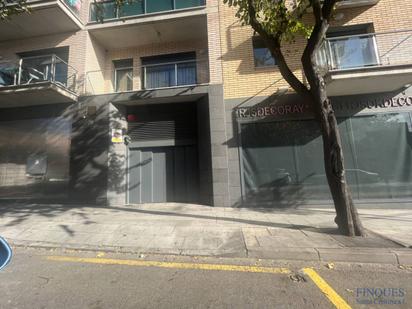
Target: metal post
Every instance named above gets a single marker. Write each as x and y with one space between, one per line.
144 84
176 74
375 46
53 68
332 60
20 70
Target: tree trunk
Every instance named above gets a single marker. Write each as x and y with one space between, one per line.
347 217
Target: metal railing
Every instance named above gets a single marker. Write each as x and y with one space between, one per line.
38 69
147 77
366 50
108 10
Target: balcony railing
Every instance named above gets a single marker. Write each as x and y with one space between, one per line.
74 5
39 69
148 77
366 50
108 10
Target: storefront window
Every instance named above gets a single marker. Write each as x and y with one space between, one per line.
283 161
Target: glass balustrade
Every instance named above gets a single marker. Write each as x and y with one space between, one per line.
108 10
366 50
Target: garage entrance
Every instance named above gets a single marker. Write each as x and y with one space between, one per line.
163 174
163 154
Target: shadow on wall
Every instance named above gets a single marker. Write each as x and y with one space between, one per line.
90 155
276 182
72 144
240 50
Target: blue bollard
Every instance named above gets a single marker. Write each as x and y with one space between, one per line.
5 253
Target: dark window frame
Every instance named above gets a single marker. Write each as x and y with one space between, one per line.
174 59
257 44
122 65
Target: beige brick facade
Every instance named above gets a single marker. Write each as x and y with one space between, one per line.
242 79
101 69
94 63
228 49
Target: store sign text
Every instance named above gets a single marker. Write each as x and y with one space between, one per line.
375 103
271 110
297 109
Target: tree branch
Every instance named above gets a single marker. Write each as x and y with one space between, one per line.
327 9
273 43
322 17
317 10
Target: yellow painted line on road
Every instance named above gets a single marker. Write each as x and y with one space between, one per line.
222 267
326 289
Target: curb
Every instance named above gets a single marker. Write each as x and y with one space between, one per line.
397 257
398 242
129 249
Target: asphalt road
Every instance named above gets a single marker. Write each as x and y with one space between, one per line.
40 278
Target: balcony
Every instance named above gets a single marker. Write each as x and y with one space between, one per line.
46 17
343 4
108 11
368 63
154 21
148 78
37 80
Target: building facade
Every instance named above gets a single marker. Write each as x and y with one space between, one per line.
175 101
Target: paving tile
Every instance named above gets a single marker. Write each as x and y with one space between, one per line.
359 255
309 254
166 242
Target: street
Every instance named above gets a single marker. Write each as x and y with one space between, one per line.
55 278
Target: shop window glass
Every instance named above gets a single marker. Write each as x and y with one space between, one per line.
283 161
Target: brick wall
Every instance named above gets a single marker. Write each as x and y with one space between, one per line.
242 79
100 69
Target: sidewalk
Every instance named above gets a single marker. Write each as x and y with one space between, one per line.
298 234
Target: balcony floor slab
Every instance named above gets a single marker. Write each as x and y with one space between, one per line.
369 80
35 94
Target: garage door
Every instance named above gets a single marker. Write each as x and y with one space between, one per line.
163 174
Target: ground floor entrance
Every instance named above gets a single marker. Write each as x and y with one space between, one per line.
163 155
163 174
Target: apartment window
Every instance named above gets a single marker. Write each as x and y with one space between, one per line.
352 47
169 70
261 54
123 75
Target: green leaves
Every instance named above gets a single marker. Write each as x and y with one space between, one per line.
8 9
280 18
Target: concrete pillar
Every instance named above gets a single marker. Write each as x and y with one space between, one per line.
117 158
218 138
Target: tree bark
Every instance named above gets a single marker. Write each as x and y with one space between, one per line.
347 217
